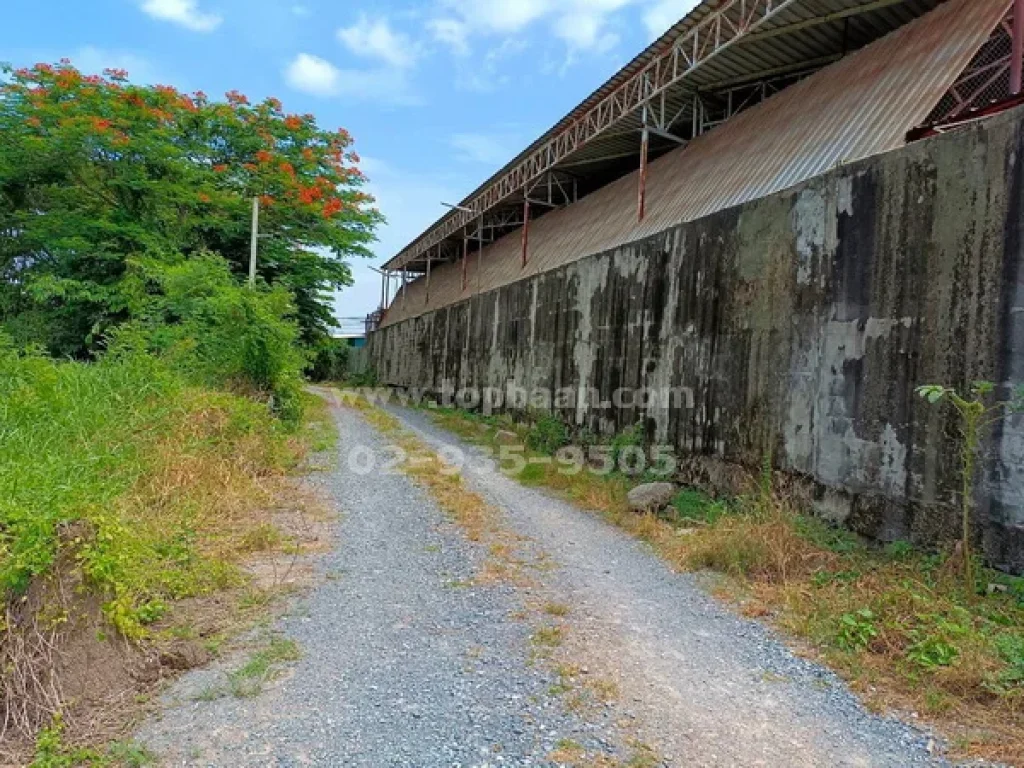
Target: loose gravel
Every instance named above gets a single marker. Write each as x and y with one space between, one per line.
404 662
407 662
707 687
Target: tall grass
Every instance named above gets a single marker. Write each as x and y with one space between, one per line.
121 464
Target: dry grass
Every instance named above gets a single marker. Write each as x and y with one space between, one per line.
211 495
896 624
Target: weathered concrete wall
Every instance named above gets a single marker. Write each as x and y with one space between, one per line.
802 322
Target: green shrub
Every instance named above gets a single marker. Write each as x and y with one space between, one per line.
548 434
329 360
194 313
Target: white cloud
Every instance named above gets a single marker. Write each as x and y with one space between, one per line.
311 74
300 10
663 14
377 40
484 75
93 60
319 77
452 33
486 149
583 25
185 13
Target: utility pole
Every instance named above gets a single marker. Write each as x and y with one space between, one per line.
254 245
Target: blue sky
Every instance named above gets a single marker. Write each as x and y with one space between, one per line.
437 93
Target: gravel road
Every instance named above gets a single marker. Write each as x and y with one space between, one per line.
402 663
405 662
708 687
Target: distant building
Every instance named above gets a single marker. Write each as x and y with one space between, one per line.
355 340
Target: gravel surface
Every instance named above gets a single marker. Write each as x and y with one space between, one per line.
707 687
402 664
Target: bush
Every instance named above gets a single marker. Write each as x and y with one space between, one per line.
548 434
194 313
329 360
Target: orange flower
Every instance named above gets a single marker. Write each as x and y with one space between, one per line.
308 154
203 197
263 156
35 122
288 168
235 98
331 207
266 201
100 125
220 168
309 195
293 122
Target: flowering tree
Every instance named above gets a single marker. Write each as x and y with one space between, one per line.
96 171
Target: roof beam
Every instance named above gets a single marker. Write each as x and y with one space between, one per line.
730 22
799 26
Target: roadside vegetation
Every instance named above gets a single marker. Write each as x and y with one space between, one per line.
895 621
151 400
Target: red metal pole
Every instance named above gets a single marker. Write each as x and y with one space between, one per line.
1017 56
641 203
525 231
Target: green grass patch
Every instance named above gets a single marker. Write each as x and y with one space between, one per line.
122 465
262 667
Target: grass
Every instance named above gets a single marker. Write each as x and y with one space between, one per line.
895 622
52 752
262 667
140 490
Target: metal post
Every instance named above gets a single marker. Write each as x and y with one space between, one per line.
526 231
480 252
383 289
405 287
641 203
254 241
465 260
426 298
1017 56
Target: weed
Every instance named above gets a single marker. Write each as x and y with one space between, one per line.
548 434
548 637
249 679
976 415
856 630
556 609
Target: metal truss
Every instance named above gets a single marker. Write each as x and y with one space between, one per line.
986 79
727 24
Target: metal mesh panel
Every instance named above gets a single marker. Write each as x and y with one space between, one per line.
985 80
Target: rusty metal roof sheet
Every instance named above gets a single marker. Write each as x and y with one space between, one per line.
783 35
860 106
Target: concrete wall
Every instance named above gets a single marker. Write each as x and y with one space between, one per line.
802 322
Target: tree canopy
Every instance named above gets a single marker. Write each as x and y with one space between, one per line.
96 173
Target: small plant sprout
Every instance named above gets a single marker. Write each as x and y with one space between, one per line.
977 413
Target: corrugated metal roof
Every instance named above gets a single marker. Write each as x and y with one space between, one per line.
860 106
801 34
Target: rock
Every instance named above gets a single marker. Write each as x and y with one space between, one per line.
651 497
506 437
